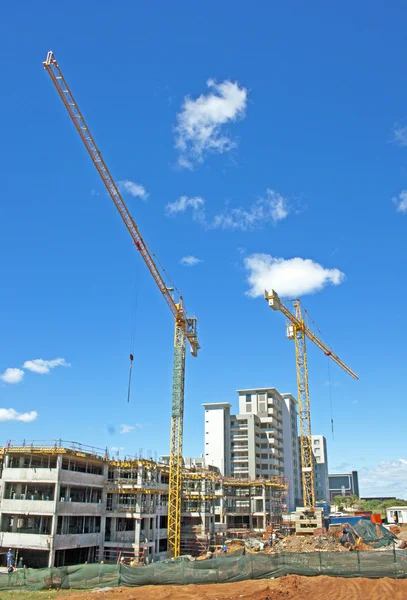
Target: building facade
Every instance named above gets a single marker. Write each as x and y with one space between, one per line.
321 480
343 484
259 442
62 505
52 504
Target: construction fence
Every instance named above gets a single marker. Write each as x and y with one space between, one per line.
388 563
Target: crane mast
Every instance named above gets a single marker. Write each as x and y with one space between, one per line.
298 331
185 326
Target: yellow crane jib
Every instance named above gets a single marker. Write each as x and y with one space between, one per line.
185 326
298 331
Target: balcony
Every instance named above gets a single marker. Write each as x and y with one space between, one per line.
30 475
80 508
80 478
26 540
28 506
77 539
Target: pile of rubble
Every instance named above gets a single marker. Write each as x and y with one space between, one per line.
308 543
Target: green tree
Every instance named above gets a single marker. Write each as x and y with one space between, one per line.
396 502
351 501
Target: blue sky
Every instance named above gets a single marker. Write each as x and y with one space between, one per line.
274 130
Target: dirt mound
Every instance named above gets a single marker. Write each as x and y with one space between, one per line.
308 543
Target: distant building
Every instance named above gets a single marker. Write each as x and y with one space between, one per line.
259 442
379 498
343 484
321 479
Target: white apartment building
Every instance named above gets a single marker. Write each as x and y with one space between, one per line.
52 504
259 442
320 454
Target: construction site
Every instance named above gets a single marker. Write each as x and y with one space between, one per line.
255 506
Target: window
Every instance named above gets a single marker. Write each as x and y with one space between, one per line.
248 397
316 442
248 408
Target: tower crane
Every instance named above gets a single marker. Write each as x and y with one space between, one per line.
298 331
185 326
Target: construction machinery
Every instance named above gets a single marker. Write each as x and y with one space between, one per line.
298 331
185 326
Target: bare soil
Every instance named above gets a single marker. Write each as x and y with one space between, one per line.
286 588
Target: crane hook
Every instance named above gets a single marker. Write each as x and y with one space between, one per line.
129 387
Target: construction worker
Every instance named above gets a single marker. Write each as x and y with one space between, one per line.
9 558
132 562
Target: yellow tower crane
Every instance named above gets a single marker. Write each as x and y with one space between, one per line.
185 327
298 331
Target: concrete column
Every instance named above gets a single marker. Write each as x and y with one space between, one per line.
51 557
264 508
137 534
103 515
113 532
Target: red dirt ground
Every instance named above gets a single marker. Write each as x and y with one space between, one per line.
285 588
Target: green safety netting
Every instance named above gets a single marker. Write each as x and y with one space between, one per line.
387 563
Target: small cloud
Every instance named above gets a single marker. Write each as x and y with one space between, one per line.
199 123
94 192
9 414
401 201
196 204
42 367
190 261
289 278
134 189
400 134
129 428
12 375
270 209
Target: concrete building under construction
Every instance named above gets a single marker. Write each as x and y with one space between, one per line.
66 503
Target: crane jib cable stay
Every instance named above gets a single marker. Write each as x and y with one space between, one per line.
298 331
185 326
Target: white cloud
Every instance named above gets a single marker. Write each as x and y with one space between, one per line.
272 208
12 375
38 365
401 201
199 123
190 261
289 278
126 428
388 478
400 134
9 414
134 189
196 204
